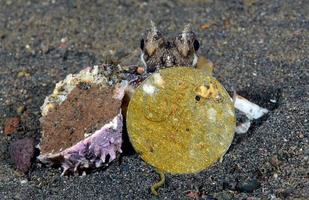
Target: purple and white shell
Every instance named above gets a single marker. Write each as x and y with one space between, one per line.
82 122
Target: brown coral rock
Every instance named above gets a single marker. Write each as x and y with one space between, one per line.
11 125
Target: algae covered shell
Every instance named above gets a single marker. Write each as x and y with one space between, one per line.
181 120
81 122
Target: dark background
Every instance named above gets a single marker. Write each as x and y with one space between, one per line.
258 47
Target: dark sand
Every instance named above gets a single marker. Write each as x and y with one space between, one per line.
260 48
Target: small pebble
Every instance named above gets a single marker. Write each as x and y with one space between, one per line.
23 73
21 153
21 109
63 40
2 35
273 100
140 70
306 152
248 186
274 161
11 125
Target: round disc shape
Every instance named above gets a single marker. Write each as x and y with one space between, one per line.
181 120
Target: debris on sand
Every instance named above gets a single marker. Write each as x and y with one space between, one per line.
21 153
247 111
10 125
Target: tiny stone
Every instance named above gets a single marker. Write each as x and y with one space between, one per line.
21 109
23 73
140 70
306 152
274 161
273 100
21 153
11 125
248 186
63 40
2 35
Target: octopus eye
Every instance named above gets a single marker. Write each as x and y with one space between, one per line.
142 44
196 45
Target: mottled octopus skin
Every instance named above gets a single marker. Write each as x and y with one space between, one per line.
92 152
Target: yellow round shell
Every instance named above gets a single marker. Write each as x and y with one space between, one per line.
180 120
